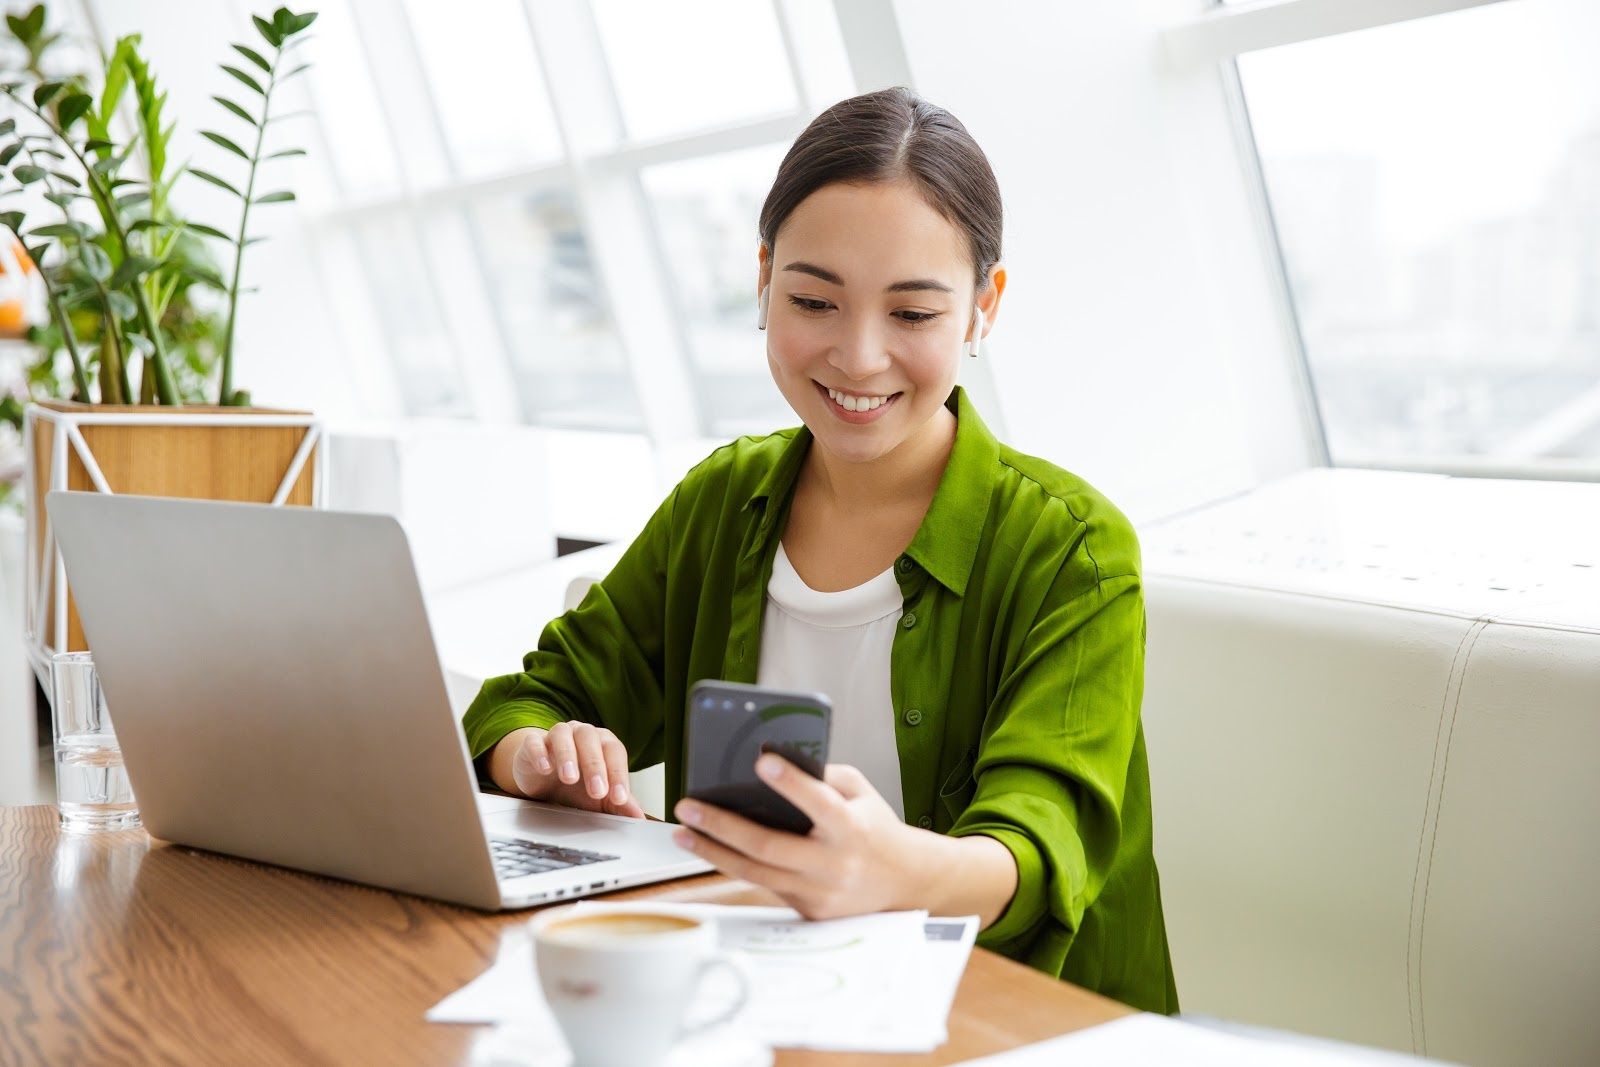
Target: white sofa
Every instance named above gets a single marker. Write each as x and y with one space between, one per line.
1373 710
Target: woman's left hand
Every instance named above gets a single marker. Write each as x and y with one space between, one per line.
857 858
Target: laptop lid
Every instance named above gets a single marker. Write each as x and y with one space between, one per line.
275 687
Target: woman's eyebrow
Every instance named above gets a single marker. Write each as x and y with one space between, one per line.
914 285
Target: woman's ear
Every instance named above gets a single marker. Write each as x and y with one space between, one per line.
989 299
763 267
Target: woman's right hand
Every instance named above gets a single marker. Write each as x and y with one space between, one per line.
574 764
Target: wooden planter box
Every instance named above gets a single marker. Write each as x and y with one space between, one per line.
259 455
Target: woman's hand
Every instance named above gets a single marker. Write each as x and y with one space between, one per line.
575 764
859 857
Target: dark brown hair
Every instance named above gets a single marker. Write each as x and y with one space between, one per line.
894 135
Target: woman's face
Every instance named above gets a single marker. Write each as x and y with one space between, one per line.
871 298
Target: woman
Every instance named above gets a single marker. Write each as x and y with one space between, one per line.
975 614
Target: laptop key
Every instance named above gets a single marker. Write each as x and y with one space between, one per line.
515 857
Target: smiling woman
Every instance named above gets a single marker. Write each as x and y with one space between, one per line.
976 615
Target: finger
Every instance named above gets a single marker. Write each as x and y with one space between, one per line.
535 754
737 865
629 809
848 780
772 848
525 765
616 758
819 800
563 753
591 761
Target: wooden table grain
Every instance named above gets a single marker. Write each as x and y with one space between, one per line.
118 948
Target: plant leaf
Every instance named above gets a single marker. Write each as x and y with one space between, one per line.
62 229
236 109
7 126
131 199
281 197
98 264
131 268
208 231
27 174
45 92
9 152
242 76
96 144
12 220
69 179
302 68
282 154
122 305
218 139
253 56
274 38
73 108
141 342
207 176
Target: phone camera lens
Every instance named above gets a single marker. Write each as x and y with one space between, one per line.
727 705
707 703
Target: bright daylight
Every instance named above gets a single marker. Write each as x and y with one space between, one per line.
800 533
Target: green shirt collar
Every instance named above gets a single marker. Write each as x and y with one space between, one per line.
946 544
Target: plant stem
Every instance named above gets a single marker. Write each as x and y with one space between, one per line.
80 381
225 391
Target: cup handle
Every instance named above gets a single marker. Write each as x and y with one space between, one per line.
737 969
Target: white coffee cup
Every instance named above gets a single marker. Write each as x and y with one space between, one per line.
620 982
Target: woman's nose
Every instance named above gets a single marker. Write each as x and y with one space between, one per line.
860 351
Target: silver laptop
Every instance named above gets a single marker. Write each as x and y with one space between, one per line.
278 696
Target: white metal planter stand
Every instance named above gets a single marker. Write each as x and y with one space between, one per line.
44 581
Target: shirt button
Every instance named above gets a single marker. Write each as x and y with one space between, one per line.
913 717
925 822
906 563
909 620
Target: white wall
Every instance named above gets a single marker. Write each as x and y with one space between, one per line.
1140 343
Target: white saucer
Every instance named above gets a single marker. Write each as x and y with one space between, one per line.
512 1046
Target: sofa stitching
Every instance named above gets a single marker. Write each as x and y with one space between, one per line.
1430 832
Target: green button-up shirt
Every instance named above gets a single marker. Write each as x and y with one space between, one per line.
1016 674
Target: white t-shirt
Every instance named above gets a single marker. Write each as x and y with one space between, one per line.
838 644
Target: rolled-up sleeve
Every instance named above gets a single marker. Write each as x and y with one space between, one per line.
1053 764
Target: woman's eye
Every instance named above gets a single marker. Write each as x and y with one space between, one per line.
917 317
808 305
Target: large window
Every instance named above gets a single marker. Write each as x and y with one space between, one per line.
1436 191
554 204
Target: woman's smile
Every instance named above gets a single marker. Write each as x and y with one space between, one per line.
861 410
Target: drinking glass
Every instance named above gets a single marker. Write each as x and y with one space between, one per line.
92 787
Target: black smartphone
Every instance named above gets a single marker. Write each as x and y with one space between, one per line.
731 724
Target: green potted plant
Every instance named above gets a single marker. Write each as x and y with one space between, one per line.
141 321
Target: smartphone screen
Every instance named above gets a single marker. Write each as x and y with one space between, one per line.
731 724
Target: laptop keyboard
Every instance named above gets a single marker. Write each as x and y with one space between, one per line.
515 857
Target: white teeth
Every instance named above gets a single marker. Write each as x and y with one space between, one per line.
850 402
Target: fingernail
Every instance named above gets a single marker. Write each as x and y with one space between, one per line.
569 772
768 768
597 787
689 813
683 839
544 765
619 794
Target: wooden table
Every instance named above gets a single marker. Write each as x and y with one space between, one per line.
118 948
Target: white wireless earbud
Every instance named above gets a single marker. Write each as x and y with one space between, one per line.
761 307
973 346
